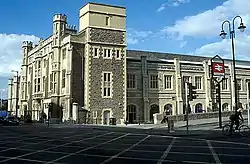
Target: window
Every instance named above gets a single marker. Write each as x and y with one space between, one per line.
107 53
64 53
186 79
107 86
44 63
107 21
44 83
168 81
224 84
63 78
154 81
118 54
198 83
51 81
35 86
131 81
38 84
239 84
95 52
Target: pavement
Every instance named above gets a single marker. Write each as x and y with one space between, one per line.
41 144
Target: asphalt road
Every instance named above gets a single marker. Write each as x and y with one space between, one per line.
34 144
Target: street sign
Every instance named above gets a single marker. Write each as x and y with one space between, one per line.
217 68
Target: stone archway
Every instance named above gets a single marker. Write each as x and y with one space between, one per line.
131 114
153 109
168 109
198 108
225 107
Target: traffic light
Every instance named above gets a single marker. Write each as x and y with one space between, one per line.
192 92
50 107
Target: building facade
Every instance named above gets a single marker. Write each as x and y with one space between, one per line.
92 67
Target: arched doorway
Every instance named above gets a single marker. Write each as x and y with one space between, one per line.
153 109
198 108
131 113
225 107
168 108
106 116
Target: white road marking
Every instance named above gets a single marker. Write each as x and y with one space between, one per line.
88 148
165 154
127 149
56 146
216 158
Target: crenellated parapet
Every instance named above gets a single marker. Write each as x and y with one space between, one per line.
27 44
60 18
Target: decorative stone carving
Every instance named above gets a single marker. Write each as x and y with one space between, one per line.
192 68
108 36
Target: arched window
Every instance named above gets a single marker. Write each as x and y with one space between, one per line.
131 113
153 109
225 107
168 108
198 108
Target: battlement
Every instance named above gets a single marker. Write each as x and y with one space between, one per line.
60 17
71 27
27 44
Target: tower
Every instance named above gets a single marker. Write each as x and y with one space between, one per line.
26 48
105 61
10 94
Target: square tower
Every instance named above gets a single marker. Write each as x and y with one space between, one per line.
105 61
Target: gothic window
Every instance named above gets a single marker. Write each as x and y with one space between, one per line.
225 84
63 78
107 21
131 82
107 53
154 81
95 52
64 53
198 82
118 55
168 81
239 86
107 84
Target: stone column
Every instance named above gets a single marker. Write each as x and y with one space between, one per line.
10 94
75 112
145 87
207 86
178 87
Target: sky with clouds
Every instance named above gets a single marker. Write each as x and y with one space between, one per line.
175 26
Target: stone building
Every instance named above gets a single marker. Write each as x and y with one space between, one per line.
90 71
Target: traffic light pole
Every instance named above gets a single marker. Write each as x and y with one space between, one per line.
219 103
187 104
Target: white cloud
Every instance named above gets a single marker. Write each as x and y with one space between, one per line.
223 48
173 3
11 51
134 36
208 23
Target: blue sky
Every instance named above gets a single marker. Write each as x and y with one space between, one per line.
176 26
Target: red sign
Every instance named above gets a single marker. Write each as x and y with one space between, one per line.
218 68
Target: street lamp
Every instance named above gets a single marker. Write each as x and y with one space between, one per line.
16 89
1 96
232 36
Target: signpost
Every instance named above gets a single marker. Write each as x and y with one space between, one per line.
218 75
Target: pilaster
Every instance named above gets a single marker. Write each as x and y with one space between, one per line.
207 86
145 87
179 90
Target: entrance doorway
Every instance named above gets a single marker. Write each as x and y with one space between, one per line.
106 117
131 114
153 109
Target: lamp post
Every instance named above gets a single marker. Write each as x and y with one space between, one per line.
16 89
232 36
1 96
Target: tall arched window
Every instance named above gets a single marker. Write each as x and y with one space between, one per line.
131 113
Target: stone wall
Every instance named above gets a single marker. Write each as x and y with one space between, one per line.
77 81
116 103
